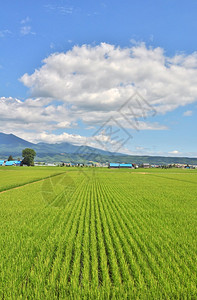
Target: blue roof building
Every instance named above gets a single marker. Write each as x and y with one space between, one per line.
1 162
10 163
117 165
13 163
113 165
126 165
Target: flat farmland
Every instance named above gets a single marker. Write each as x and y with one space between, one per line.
16 176
95 233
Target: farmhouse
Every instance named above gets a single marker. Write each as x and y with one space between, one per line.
13 163
113 165
146 165
126 166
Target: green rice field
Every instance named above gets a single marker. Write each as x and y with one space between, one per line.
97 233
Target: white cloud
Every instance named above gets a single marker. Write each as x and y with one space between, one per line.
101 78
174 152
188 113
33 115
60 138
90 83
39 120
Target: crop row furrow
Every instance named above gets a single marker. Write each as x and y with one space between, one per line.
136 246
109 247
165 249
95 260
164 232
48 259
78 259
119 246
104 272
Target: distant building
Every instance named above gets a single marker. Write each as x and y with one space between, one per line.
9 163
125 166
1 162
146 166
113 165
119 166
13 163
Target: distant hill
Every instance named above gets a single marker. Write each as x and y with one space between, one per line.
66 152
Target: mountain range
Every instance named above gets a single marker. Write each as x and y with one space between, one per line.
67 152
13 145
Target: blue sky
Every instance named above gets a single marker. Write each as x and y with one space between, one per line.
66 67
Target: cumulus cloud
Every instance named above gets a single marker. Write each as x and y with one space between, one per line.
39 120
101 78
35 115
91 84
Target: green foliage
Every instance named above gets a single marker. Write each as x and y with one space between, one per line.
101 234
28 155
10 158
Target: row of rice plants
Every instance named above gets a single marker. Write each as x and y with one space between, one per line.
176 261
55 263
175 272
102 236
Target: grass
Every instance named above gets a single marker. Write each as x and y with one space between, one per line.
98 234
